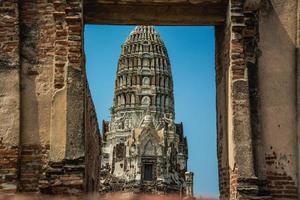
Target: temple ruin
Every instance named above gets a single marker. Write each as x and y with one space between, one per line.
49 136
143 149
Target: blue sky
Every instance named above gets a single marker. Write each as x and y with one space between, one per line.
191 51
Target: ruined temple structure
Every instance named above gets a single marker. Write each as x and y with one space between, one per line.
143 148
49 136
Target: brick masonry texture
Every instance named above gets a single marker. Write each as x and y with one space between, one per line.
47 36
9 35
93 142
222 60
32 167
8 168
9 98
66 177
280 184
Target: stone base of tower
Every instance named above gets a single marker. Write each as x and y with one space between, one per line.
115 185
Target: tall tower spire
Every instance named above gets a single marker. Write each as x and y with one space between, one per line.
144 78
142 144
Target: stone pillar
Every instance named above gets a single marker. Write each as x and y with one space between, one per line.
9 95
189 181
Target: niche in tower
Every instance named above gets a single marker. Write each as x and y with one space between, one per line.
146 81
146 60
146 101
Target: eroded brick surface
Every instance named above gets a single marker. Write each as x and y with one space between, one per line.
32 167
9 95
93 142
9 35
66 177
280 184
8 168
50 49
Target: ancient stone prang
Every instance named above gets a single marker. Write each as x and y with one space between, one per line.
143 148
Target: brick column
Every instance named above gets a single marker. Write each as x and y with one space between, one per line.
36 57
9 95
67 118
234 54
68 100
243 180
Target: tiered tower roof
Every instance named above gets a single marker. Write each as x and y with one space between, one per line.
144 77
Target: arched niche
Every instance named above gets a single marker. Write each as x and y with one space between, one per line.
146 81
146 60
146 101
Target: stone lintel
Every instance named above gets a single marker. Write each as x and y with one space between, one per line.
149 14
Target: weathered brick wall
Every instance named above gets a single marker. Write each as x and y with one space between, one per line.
238 105
37 33
236 57
9 94
92 143
234 133
280 184
65 177
9 165
251 39
276 76
76 80
33 165
45 46
68 98
233 184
